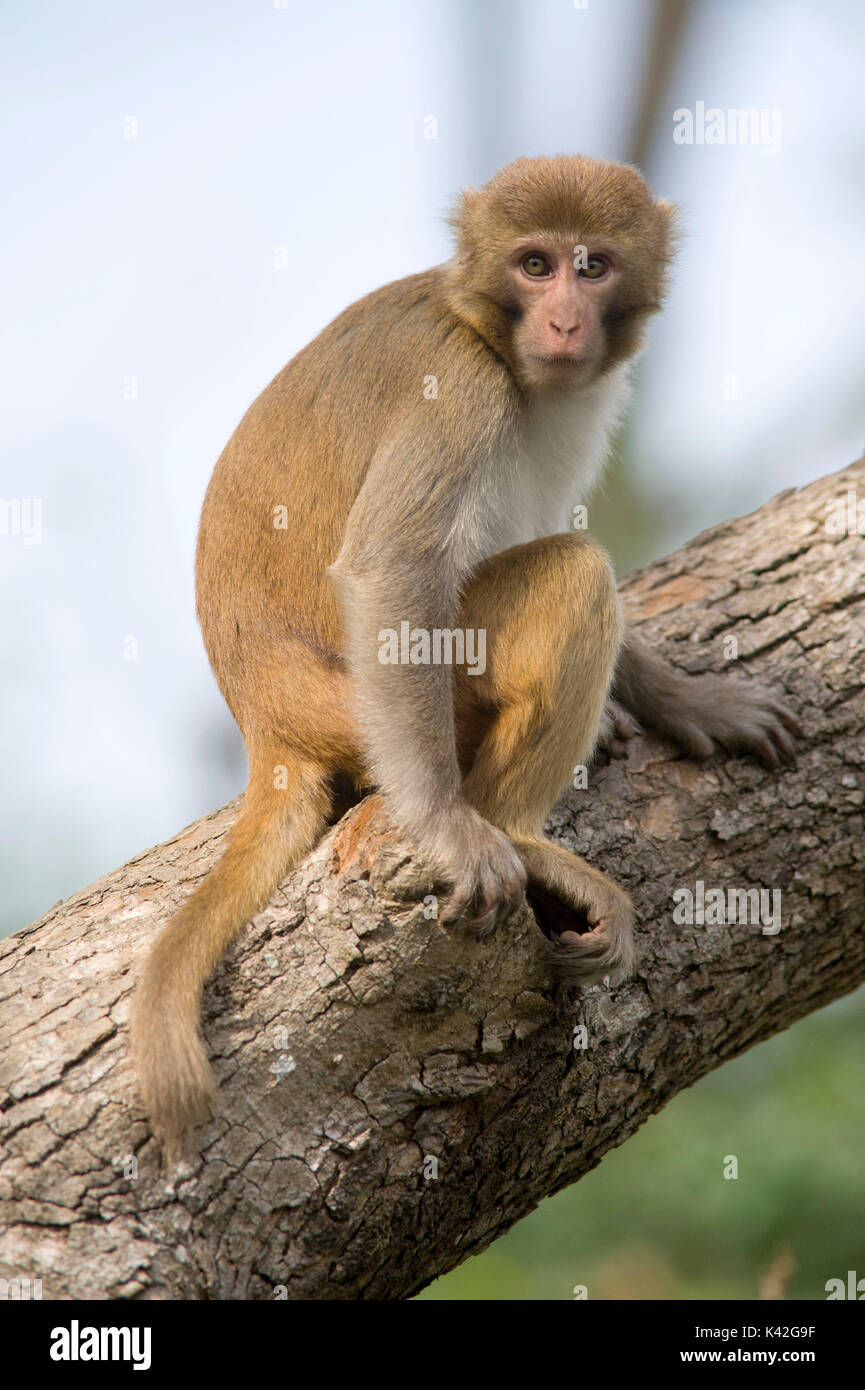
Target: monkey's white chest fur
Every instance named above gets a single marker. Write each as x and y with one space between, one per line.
557 461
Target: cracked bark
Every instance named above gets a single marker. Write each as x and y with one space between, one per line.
354 1040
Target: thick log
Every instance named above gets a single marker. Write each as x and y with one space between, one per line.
395 1095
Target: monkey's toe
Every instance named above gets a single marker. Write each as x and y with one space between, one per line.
588 926
617 730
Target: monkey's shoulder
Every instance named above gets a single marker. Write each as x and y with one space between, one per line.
401 353
416 319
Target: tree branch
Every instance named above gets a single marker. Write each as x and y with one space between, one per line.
360 1048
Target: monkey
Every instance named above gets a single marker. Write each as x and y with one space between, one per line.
418 462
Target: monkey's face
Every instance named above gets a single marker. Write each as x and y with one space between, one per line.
561 294
559 263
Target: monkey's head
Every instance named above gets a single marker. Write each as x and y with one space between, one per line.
559 263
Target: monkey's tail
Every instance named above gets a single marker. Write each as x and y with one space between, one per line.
276 826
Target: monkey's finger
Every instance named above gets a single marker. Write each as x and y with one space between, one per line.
492 903
455 906
788 719
471 906
497 905
771 743
695 743
764 749
481 924
784 744
626 728
616 730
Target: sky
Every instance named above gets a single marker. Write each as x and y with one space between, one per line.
191 191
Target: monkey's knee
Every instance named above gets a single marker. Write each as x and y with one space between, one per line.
553 624
586 571
574 618
554 633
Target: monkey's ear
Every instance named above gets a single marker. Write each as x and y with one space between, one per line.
672 219
461 216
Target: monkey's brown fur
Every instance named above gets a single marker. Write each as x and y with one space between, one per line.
379 484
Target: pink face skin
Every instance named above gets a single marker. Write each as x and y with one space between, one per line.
560 334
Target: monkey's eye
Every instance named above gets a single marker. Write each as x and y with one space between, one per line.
536 265
595 268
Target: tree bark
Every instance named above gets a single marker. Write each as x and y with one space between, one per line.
395 1095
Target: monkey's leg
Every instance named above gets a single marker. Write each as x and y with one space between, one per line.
553 625
699 714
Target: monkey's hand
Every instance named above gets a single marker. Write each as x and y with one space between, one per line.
485 869
587 918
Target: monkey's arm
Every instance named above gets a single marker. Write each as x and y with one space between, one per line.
408 548
701 713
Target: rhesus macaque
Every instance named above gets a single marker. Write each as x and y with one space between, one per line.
443 506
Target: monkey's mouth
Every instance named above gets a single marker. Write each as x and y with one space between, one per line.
564 362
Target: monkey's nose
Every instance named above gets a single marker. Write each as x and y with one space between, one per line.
564 332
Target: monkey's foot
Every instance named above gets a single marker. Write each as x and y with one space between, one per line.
586 918
736 716
616 730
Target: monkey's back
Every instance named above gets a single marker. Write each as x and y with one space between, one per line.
281 492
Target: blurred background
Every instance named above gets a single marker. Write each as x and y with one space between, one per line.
192 191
